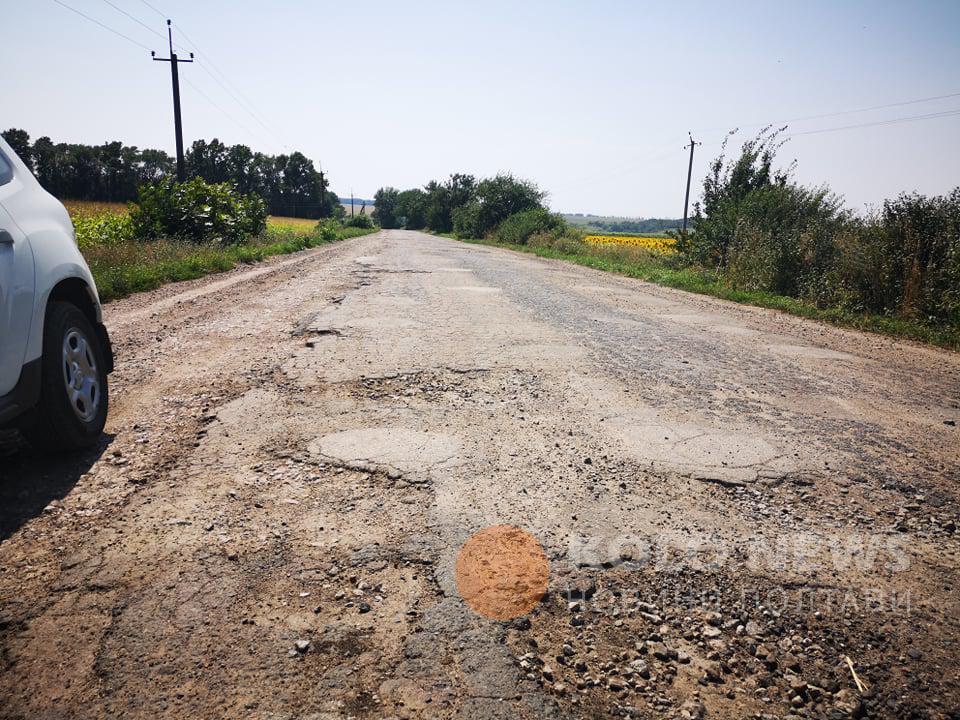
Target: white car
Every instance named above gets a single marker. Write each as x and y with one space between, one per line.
55 353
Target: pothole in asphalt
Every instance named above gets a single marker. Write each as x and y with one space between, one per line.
687 445
399 448
452 384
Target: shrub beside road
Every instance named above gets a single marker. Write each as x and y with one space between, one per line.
123 262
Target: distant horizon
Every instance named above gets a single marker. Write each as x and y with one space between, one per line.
592 104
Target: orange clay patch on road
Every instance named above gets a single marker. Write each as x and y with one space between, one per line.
502 572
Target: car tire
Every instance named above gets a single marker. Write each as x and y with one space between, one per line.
74 397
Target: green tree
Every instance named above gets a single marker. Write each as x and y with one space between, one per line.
411 209
19 140
385 210
47 164
208 161
443 198
495 200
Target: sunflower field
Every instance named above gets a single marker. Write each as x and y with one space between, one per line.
654 244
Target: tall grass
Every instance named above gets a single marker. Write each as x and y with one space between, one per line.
124 268
122 265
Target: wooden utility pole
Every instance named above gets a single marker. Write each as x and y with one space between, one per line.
351 202
686 198
177 124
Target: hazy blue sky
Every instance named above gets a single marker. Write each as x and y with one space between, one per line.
590 100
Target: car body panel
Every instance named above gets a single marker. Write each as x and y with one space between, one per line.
43 255
17 284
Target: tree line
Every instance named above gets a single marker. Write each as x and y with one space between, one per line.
641 225
460 204
290 185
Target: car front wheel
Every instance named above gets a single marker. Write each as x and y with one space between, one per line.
73 392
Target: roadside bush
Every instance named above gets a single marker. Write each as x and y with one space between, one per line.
466 221
903 260
519 227
783 240
102 229
327 230
494 200
762 232
563 239
197 211
749 208
359 221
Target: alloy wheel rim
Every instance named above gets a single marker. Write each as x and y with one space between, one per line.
80 375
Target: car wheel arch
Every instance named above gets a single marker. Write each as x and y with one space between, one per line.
78 292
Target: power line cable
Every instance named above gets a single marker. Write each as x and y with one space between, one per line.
235 93
892 121
161 35
140 45
105 27
877 107
238 101
230 117
154 9
136 20
242 100
839 113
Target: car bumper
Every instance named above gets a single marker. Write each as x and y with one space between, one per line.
24 395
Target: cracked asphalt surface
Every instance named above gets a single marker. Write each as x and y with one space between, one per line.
734 503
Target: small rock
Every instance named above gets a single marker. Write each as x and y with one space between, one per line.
692 710
713 673
661 651
615 684
302 646
846 703
791 662
713 618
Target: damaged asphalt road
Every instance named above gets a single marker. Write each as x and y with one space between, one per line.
746 514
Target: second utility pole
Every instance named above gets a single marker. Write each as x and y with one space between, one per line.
177 124
686 198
